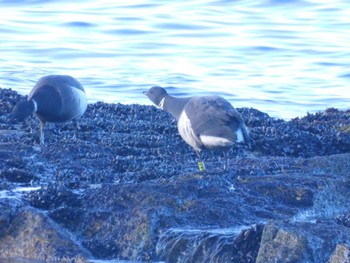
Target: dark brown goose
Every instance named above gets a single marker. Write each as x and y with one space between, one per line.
209 122
54 98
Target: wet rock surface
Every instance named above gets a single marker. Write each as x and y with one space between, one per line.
31 233
300 242
123 185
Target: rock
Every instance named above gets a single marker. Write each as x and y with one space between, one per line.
17 175
323 133
220 245
135 221
53 196
341 254
127 187
32 235
344 219
8 210
299 242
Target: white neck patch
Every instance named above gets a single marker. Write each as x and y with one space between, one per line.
161 104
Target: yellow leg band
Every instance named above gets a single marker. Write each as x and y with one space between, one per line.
201 166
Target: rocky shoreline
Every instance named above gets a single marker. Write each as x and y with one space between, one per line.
127 187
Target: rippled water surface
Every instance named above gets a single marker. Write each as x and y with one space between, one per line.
283 57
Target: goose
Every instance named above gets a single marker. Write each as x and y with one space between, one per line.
203 122
54 98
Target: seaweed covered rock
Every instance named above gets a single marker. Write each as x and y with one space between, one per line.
319 134
33 235
123 185
230 245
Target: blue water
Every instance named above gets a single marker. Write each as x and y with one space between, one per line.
283 57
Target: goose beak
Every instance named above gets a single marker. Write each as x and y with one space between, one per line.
145 92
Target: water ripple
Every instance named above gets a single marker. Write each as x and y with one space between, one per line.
285 57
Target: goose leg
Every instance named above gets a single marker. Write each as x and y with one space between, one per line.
42 136
226 154
226 161
76 128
